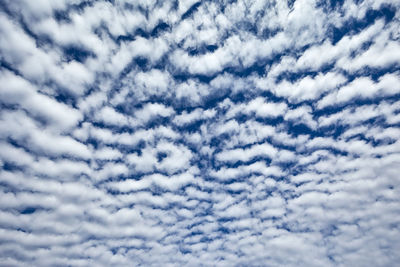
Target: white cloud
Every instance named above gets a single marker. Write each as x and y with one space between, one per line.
307 88
363 88
195 115
247 154
110 116
107 153
301 114
262 109
20 127
152 110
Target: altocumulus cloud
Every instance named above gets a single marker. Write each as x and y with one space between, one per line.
200 133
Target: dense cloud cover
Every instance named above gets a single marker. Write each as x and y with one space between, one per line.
200 133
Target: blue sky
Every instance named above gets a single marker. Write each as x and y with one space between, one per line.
199 133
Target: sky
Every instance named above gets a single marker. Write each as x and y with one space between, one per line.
199 133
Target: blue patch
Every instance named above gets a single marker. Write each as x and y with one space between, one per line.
191 11
28 210
161 28
62 16
204 49
78 54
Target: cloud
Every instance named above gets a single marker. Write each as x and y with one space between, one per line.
199 133
195 115
109 116
309 88
17 91
247 154
364 88
153 110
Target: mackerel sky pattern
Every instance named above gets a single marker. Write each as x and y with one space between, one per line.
199 133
